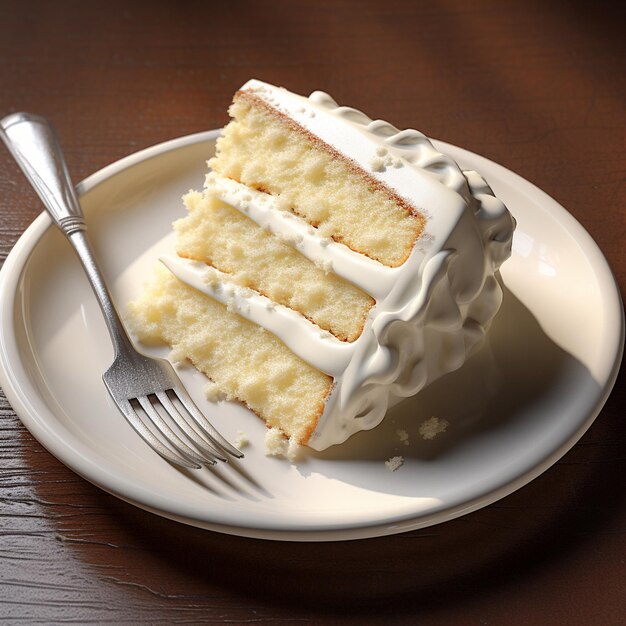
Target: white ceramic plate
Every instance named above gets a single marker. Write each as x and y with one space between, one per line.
513 409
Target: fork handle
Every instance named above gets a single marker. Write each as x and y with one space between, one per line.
33 144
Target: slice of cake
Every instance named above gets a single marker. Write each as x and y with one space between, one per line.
331 266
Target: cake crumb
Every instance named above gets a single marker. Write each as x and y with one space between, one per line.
394 463
210 278
231 304
377 164
325 265
212 392
403 436
292 449
178 357
241 440
276 444
432 427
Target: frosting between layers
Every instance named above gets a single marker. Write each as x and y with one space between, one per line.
302 337
431 312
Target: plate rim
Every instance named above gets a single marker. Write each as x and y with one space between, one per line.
15 263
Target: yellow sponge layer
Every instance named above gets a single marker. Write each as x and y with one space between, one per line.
263 149
215 233
245 361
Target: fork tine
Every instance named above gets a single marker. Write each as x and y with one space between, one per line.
195 437
181 447
213 435
140 428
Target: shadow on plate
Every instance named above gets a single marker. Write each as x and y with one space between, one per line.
519 367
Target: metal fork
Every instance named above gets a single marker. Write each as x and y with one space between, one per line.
133 380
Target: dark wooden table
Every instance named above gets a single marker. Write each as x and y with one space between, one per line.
535 86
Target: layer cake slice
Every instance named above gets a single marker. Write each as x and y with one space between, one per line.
331 266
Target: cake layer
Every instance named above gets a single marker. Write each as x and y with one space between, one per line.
246 362
267 150
217 234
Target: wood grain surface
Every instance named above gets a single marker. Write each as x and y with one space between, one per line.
536 86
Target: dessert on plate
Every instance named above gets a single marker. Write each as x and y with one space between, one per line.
331 266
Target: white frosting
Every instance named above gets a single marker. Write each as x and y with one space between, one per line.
430 313
300 335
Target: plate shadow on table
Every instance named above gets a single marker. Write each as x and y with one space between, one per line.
409 574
